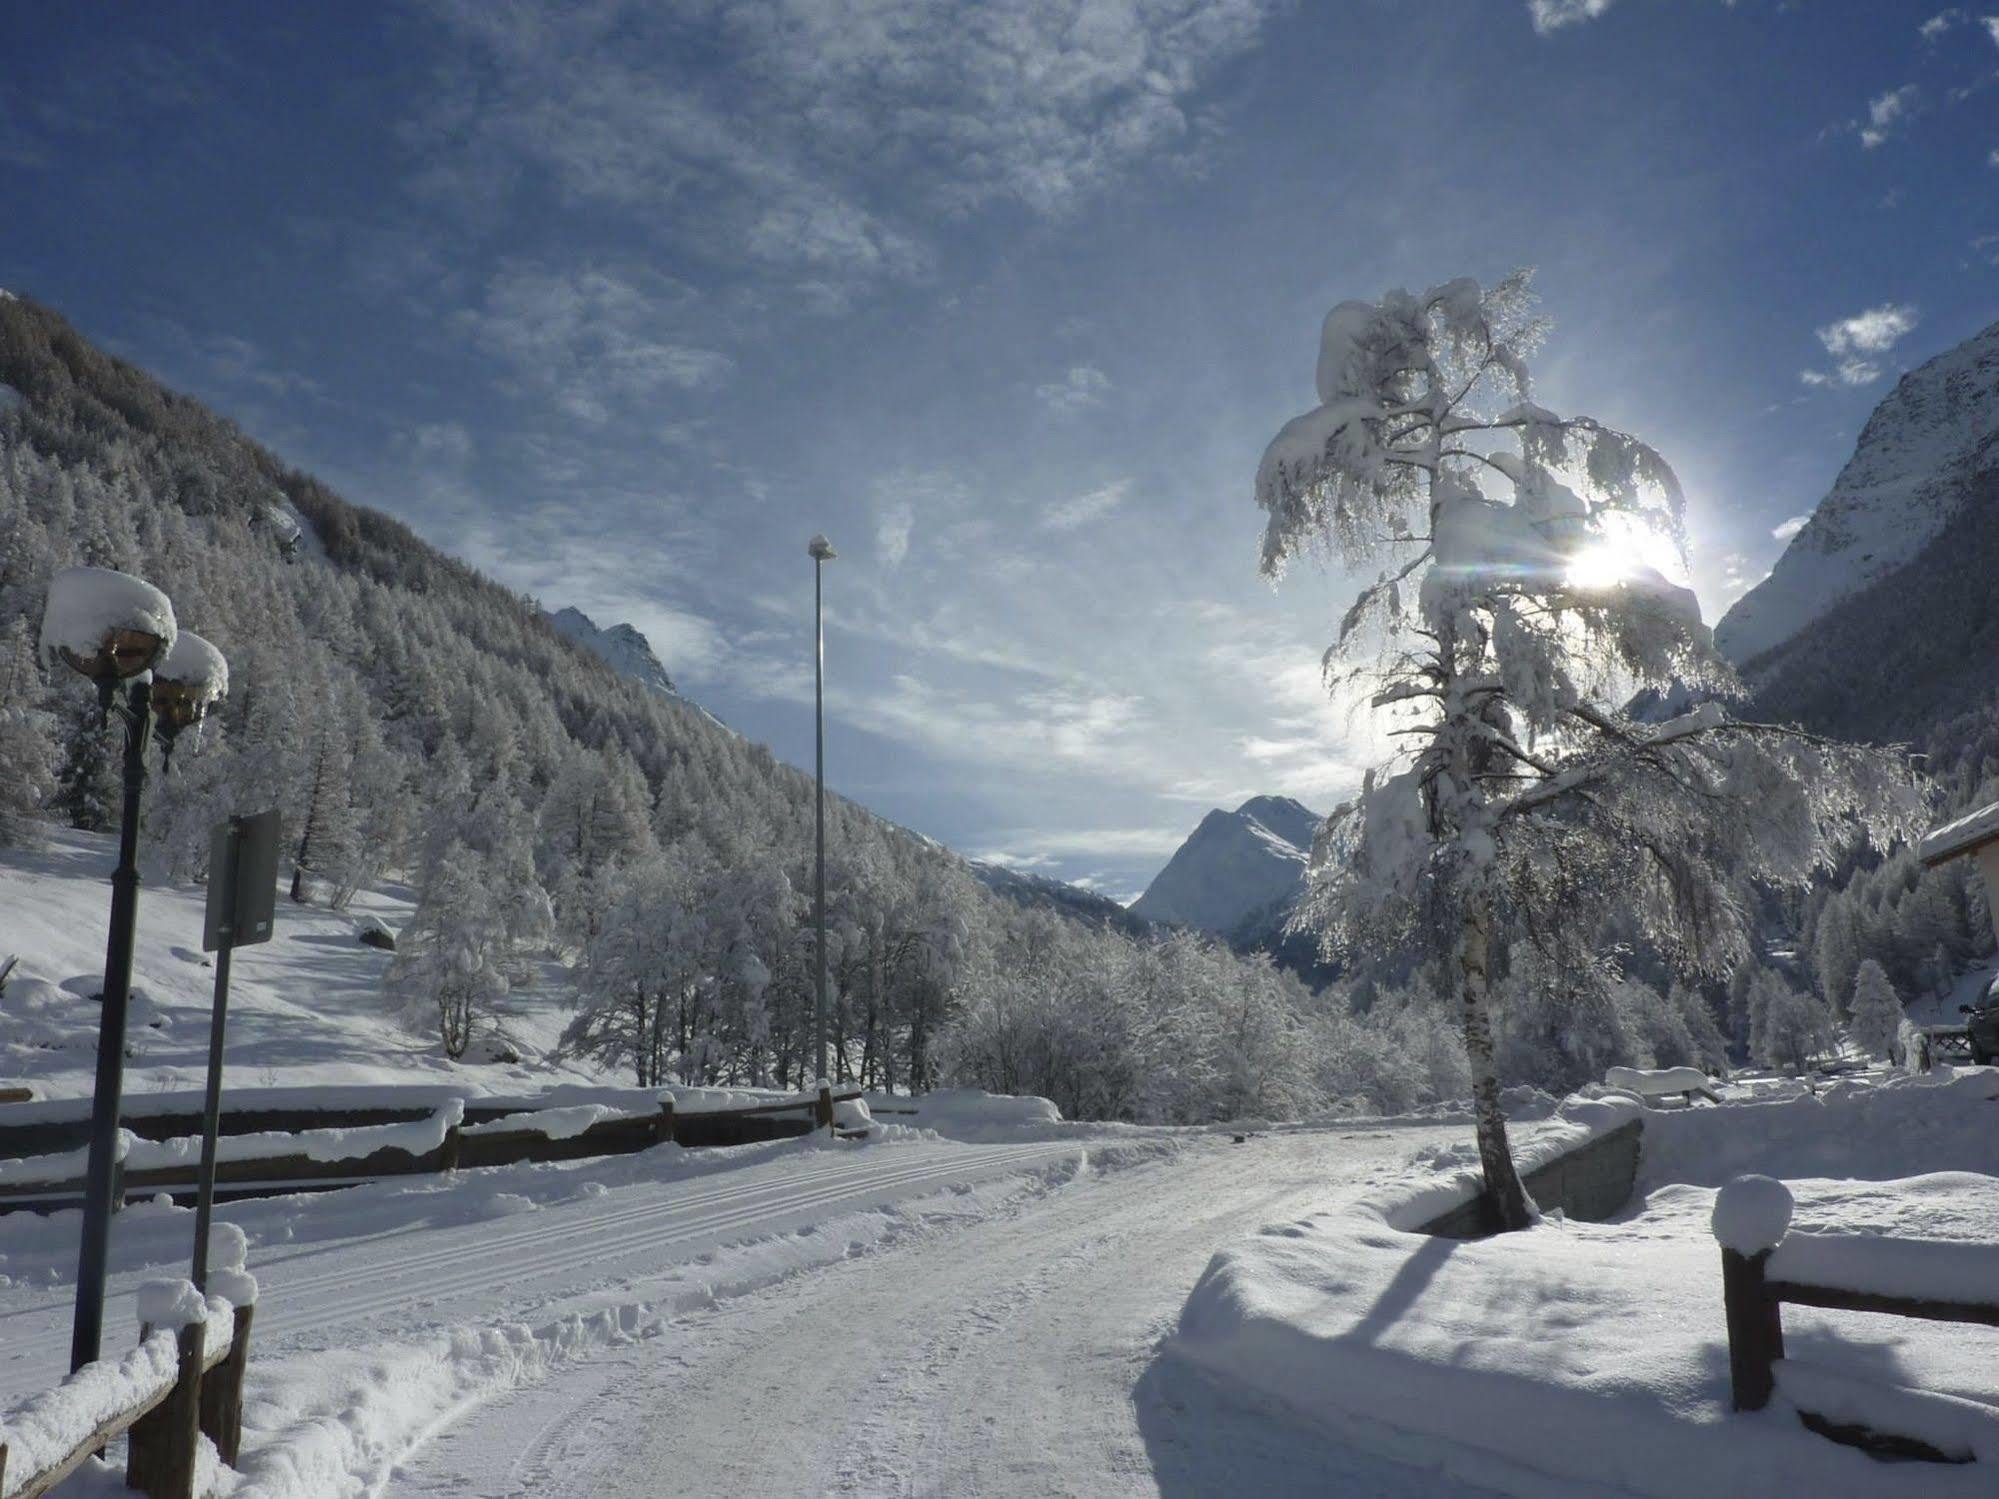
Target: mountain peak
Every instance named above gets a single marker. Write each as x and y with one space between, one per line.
1234 865
621 647
1910 475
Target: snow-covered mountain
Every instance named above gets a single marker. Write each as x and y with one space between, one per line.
1917 466
627 652
1234 866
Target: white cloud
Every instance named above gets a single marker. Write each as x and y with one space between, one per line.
1993 159
892 525
1785 530
1941 22
1886 112
1874 331
1083 387
833 110
1992 29
1552 15
1068 515
592 338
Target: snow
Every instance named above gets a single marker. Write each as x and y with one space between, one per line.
967 1114
171 1304
197 664
1656 1082
235 1286
1960 837
45 1428
557 1124
1910 474
86 604
1928 1268
1752 1214
1578 1358
306 1009
1234 865
623 648
418 1137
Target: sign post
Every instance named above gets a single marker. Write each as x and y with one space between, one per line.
242 902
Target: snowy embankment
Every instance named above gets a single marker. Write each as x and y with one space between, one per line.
1581 1358
388 1310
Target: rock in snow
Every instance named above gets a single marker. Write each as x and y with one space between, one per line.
1235 865
1909 476
623 648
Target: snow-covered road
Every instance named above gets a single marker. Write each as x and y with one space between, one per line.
1012 1353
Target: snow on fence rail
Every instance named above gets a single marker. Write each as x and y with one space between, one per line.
183 1382
1764 1265
270 1162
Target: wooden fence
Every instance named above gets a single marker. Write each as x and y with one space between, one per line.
163 1429
1831 1271
462 1145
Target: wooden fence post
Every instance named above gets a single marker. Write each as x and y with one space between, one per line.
826 1105
664 1133
160 1460
222 1392
1755 1328
447 1155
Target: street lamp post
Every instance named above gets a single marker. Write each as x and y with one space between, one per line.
114 629
821 552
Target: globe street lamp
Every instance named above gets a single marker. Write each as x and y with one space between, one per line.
821 552
119 631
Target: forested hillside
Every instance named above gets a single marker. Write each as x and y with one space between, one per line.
408 716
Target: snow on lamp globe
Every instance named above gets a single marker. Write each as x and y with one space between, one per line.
189 679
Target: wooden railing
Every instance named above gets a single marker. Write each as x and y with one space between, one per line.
490 1144
1764 1265
163 1428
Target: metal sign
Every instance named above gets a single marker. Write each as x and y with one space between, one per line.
242 882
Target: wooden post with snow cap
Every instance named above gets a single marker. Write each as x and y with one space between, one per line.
1751 1216
221 1418
164 1442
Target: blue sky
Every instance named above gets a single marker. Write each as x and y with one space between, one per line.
622 302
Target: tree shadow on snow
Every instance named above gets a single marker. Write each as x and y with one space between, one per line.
1204 1439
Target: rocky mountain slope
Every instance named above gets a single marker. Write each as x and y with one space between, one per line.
1235 865
622 647
1881 621
1926 455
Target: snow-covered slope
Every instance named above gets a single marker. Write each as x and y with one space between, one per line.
1234 865
627 651
1912 473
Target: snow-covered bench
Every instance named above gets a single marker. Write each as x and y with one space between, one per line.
1651 1084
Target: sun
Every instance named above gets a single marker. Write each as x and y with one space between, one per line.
1598 568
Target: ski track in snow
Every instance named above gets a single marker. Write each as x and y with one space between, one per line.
1014 1354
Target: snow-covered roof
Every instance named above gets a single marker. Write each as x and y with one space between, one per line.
1954 839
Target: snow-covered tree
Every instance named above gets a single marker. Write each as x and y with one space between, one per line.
1796 1026
450 964
1522 605
1877 1012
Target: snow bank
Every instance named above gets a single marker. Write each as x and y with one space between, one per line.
1411 1206
1871 1131
1586 1359
1649 1083
966 1113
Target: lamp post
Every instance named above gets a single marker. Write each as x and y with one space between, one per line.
113 628
821 552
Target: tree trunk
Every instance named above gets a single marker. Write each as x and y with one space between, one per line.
1505 1196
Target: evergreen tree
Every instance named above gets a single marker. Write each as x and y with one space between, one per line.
1877 1013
